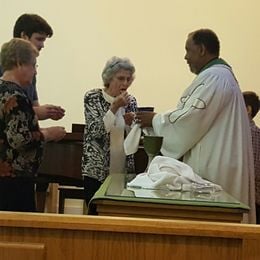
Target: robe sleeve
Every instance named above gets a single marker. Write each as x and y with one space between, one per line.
196 112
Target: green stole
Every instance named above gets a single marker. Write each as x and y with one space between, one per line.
214 62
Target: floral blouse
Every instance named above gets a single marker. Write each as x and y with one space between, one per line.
21 141
96 145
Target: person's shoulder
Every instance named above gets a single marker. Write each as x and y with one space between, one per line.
9 86
218 74
31 88
217 69
133 98
254 128
11 89
93 93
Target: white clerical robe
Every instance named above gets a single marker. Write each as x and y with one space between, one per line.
210 130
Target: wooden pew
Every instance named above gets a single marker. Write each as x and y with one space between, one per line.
38 236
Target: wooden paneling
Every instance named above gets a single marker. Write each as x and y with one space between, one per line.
22 251
167 211
70 237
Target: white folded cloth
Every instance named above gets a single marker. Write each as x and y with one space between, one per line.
132 140
168 173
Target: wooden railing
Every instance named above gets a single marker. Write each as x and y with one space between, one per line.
50 236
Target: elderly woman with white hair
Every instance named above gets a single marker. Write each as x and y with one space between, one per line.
108 111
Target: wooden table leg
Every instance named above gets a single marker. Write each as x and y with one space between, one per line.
52 198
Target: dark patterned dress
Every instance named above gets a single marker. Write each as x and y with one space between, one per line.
20 138
96 147
20 148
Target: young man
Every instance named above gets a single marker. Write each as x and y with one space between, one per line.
209 129
35 29
252 106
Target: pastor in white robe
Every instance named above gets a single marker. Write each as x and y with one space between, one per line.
210 130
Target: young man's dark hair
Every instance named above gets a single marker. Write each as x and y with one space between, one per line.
31 23
252 100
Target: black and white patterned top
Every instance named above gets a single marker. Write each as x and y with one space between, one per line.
96 145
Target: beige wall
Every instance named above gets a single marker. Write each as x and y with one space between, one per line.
151 33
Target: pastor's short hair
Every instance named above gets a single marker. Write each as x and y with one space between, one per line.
208 38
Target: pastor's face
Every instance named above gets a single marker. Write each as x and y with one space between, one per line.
193 55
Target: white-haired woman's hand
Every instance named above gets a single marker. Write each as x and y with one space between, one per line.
120 101
129 118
